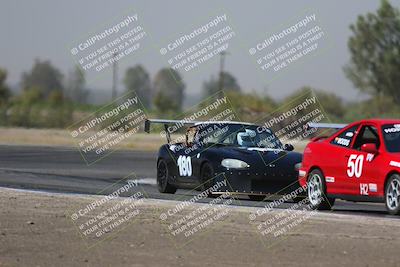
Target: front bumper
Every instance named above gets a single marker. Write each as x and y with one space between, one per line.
254 182
302 177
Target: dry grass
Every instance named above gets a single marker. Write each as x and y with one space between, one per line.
58 137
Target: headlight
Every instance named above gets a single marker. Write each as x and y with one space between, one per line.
234 164
297 166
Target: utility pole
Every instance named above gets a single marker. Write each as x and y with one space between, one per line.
114 78
221 72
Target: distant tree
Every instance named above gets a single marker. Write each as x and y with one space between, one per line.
164 103
331 104
137 79
375 52
75 86
31 96
30 109
56 98
4 96
385 107
4 90
43 75
169 90
59 112
213 85
23 110
250 106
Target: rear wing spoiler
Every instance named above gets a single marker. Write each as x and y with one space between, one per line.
178 123
326 125
336 126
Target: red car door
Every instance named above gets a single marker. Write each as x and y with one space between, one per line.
337 161
363 167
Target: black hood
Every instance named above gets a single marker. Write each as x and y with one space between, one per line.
253 155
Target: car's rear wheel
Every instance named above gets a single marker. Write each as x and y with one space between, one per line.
392 194
316 191
257 197
163 177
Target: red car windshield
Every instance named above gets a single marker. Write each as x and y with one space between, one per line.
391 136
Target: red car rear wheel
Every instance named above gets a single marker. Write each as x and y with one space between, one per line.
316 191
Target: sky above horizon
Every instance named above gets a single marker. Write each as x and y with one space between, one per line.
46 30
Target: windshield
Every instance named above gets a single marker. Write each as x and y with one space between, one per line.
391 136
237 135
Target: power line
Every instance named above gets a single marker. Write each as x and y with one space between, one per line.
221 72
114 78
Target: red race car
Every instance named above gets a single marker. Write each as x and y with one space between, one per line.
360 162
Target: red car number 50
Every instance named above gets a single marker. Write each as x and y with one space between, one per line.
355 165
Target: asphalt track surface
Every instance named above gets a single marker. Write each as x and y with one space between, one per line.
57 169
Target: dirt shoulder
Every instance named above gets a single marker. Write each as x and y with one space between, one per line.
36 230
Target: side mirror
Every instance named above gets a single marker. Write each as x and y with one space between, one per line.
288 147
369 148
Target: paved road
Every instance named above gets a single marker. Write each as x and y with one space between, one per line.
64 170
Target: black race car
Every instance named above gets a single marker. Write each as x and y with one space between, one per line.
242 158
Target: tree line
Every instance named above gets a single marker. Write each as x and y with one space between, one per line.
48 99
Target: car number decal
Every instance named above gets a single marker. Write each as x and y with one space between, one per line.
185 165
355 165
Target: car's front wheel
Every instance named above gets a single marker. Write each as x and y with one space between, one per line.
392 195
162 178
316 191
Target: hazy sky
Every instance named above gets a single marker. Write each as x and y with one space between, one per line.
46 30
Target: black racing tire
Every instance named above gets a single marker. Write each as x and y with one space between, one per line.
316 191
206 177
392 194
163 177
257 197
